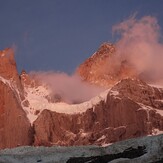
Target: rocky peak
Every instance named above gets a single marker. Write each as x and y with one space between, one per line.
25 78
29 80
94 68
8 68
14 126
103 67
140 92
106 48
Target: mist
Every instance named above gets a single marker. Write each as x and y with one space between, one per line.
70 87
140 45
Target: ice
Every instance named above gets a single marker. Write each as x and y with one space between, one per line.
57 154
38 102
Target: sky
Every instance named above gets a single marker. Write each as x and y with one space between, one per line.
58 35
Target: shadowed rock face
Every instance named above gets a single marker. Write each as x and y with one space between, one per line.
129 153
121 116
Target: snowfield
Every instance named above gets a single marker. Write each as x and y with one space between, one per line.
140 150
38 101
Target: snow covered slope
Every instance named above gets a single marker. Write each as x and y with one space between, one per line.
38 101
140 150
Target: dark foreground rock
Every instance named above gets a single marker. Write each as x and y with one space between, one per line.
140 150
130 153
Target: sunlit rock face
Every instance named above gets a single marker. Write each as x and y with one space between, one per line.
104 67
8 69
7 64
15 129
131 109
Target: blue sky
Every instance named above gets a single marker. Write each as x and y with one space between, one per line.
60 34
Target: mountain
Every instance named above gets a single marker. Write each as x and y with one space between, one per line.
31 115
131 108
104 68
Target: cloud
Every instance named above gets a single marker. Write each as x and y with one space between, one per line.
140 46
70 87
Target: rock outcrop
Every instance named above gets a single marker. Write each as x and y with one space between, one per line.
8 64
15 129
131 109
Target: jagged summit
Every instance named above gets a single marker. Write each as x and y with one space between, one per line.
94 68
8 52
106 48
103 68
8 67
26 80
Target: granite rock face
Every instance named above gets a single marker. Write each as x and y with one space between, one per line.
104 68
8 64
15 129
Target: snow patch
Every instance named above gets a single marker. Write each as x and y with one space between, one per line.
150 108
38 102
156 131
159 100
12 86
101 138
3 54
114 93
156 85
106 144
159 111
